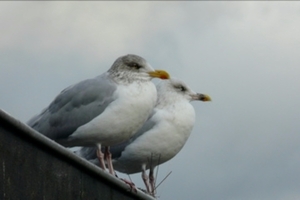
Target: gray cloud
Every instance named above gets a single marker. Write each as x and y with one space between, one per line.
245 143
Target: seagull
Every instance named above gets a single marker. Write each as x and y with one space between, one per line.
161 137
102 111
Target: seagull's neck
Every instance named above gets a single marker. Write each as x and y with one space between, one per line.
128 77
164 101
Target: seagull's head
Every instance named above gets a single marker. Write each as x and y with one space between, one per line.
133 67
177 89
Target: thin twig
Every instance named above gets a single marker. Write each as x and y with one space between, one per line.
163 180
157 170
129 178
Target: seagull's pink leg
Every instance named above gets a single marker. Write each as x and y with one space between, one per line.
145 179
109 161
152 180
100 156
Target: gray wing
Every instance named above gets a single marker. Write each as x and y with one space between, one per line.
74 107
89 153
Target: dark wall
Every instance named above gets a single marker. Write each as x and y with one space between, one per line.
34 167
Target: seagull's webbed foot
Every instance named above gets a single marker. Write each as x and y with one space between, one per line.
131 185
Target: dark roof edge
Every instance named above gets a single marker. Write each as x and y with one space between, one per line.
28 131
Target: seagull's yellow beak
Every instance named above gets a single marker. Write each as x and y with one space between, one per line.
205 97
201 97
159 74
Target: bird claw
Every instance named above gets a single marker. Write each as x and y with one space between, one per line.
131 185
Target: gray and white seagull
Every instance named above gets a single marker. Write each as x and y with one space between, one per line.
161 137
102 111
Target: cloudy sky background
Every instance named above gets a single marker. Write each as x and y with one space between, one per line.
245 55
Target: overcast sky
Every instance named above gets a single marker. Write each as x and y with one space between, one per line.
245 55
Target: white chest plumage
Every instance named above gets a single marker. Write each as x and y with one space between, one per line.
165 140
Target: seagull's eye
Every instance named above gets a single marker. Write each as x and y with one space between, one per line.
181 88
134 65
